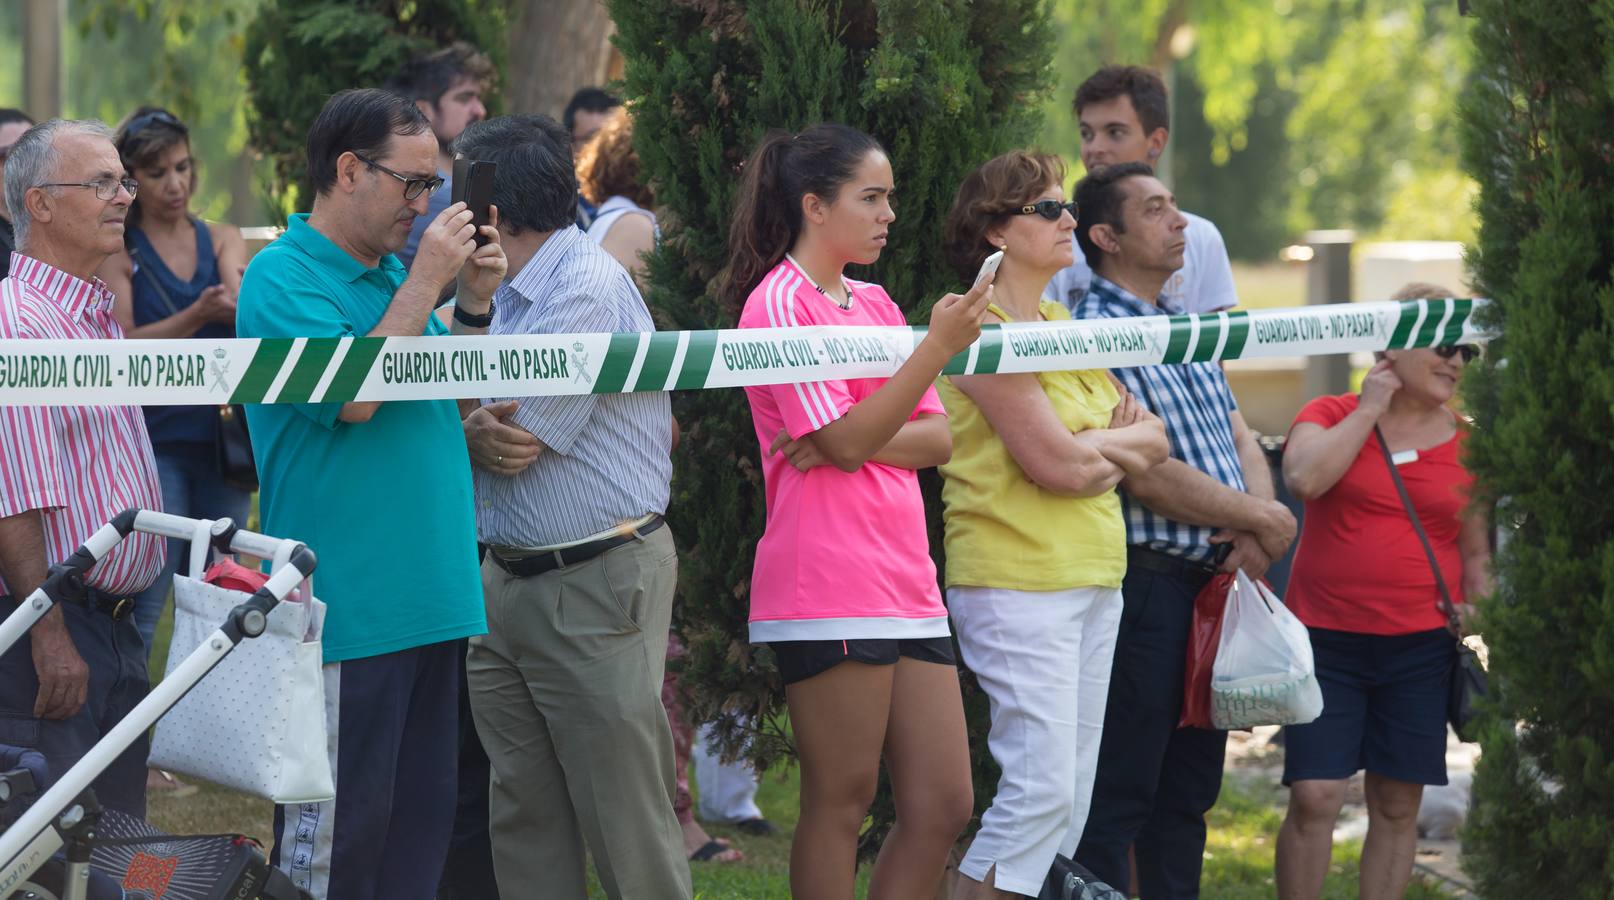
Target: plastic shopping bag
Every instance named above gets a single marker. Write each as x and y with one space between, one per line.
1204 635
1264 674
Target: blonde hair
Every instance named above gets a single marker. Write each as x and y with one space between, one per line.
608 166
1422 290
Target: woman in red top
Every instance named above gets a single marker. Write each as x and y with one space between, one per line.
1363 585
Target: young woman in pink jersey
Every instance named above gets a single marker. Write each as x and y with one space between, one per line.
844 591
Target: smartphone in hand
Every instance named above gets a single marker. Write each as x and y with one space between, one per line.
988 266
473 185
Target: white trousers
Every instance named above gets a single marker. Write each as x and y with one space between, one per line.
728 791
1043 659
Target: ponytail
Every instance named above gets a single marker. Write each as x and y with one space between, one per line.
767 212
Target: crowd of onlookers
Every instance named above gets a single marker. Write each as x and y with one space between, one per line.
500 577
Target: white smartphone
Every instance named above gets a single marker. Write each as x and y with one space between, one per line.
989 265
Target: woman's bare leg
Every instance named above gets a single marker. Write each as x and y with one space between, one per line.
927 754
839 721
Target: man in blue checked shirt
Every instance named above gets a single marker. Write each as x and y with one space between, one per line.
580 569
1209 507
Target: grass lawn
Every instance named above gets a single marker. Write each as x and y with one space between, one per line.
1273 285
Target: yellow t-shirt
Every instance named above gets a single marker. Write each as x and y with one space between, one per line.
1002 529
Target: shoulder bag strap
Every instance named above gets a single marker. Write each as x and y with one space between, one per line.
162 292
1447 608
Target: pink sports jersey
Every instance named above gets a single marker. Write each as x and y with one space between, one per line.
845 555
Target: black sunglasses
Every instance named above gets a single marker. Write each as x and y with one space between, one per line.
413 187
1469 351
1049 209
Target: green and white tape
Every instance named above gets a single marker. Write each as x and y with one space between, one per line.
334 370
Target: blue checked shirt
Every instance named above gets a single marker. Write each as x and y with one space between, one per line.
606 459
1194 402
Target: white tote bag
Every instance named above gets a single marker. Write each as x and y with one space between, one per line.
1264 674
256 722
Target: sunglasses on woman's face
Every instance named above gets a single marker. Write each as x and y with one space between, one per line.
1469 351
1049 209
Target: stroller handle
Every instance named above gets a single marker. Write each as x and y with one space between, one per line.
247 620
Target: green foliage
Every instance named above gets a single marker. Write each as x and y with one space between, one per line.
944 85
1536 114
181 54
300 52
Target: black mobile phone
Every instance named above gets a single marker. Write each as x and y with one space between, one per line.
473 185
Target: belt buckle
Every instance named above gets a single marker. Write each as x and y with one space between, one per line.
120 608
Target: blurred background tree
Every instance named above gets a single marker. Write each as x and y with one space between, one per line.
1290 115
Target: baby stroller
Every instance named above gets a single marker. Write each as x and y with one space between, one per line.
96 843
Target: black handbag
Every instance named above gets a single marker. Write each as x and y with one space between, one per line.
1466 682
1069 880
232 445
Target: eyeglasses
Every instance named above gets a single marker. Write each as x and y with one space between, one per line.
1469 351
1049 209
413 187
105 188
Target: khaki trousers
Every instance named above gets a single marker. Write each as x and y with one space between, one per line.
566 692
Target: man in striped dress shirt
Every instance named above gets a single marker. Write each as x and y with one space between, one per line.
66 471
566 684
1155 782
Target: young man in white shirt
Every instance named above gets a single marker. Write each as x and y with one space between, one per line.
1125 117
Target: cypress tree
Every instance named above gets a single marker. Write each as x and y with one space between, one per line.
1537 115
944 85
299 52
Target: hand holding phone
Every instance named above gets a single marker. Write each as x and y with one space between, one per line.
473 186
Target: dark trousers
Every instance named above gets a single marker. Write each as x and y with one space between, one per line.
1155 782
468 874
116 658
386 834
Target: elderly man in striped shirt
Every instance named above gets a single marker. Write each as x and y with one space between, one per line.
1155 782
65 471
566 685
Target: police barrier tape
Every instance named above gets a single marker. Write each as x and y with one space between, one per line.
331 370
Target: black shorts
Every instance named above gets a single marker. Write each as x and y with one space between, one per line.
1384 708
801 660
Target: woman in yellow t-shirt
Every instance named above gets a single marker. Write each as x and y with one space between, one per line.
1036 547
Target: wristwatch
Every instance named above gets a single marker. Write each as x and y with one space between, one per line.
473 321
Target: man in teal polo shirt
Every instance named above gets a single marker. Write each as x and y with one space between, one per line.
381 491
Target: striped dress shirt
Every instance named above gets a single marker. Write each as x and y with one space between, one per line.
1194 402
78 465
607 457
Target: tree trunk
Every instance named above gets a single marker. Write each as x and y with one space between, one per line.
556 47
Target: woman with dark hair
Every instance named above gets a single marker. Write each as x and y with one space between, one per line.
1036 545
1364 585
177 278
844 591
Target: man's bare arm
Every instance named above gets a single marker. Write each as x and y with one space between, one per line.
64 679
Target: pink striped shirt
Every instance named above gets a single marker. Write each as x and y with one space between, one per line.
79 465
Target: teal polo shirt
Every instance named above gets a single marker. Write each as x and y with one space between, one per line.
387 504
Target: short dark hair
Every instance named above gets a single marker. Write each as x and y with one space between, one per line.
431 75
1099 197
363 121
9 114
1143 87
590 99
534 186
